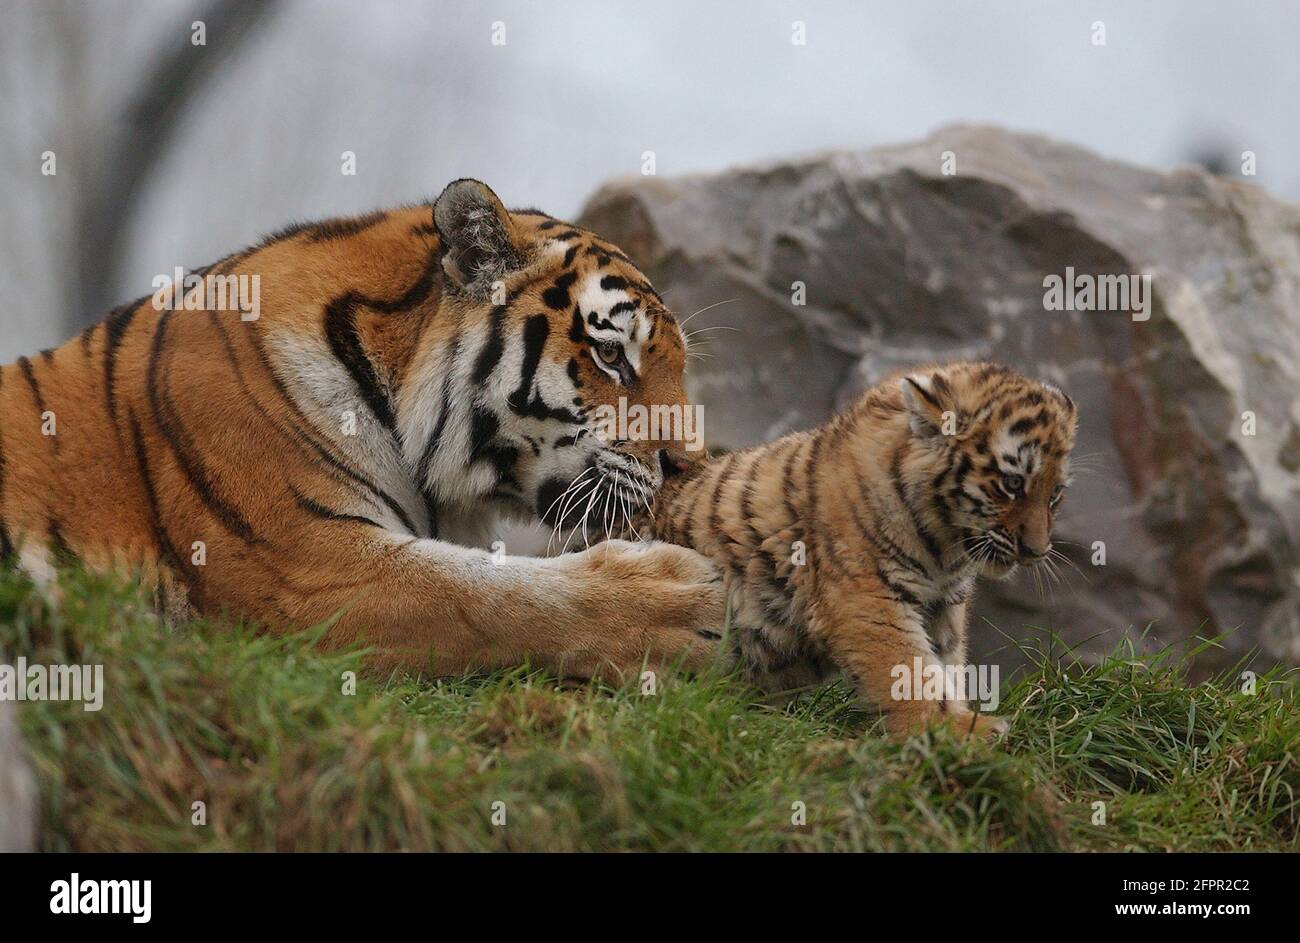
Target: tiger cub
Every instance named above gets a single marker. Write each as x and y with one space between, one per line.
854 548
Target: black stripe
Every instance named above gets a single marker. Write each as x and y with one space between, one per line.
715 519
787 473
64 556
927 539
902 592
484 425
431 447
493 347
686 531
941 498
747 500
885 547
332 229
430 509
161 539
941 385
321 511
345 339
815 530
523 401
303 438
536 330
26 366
557 296
1029 423
313 437
115 325
178 441
483 445
925 394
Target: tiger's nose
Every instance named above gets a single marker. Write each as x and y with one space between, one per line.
672 462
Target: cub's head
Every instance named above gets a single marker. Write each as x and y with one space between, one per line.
1002 444
561 334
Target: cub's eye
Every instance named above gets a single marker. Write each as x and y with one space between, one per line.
609 352
1057 494
1014 484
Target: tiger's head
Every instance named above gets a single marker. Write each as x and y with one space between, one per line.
556 328
1003 446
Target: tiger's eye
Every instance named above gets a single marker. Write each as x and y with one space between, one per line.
609 352
1013 483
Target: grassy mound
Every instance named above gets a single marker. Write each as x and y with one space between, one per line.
268 734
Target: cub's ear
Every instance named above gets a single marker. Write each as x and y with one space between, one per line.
931 404
479 241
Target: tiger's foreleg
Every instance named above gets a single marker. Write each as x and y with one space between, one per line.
427 605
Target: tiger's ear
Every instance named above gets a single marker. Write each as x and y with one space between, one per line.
478 237
931 405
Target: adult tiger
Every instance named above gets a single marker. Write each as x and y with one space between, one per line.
404 378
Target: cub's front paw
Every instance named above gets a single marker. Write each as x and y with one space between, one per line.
908 719
983 726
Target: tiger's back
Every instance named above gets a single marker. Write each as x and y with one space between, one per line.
326 427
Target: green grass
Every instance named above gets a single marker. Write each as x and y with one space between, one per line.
259 729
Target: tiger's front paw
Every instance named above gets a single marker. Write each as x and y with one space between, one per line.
660 599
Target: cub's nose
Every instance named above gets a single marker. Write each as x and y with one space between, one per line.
1031 550
1034 540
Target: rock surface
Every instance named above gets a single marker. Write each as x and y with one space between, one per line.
18 800
903 263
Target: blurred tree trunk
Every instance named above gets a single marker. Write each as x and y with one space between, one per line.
126 151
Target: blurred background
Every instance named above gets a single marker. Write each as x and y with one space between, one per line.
174 154
169 153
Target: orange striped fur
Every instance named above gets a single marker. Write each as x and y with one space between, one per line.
412 377
854 548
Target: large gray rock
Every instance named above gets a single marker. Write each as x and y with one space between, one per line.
18 798
902 263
